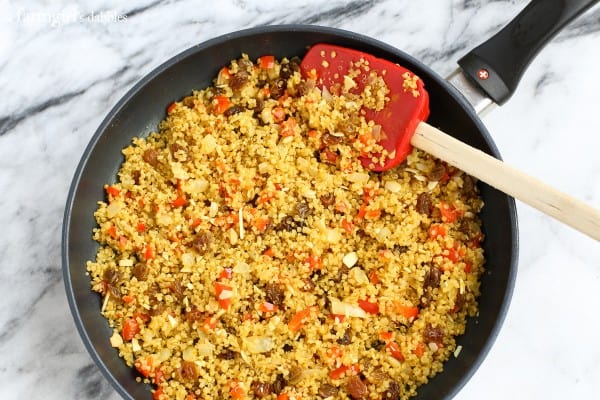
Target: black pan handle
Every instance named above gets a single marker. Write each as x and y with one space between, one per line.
498 64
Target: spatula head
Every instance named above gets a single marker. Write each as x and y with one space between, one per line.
408 104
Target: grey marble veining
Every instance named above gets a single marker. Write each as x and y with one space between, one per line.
61 71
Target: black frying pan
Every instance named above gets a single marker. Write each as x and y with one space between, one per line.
504 57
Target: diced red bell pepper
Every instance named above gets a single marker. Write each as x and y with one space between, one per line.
130 328
278 114
437 231
266 62
314 262
449 213
148 252
112 232
409 312
260 223
171 107
113 191
394 350
287 127
209 324
144 365
374 278
180 201
223 293
236 390
370 307
227 273
419 350
344 369
220 104
268 307
141 227
300 318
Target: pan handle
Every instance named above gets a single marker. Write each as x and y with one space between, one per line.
497 65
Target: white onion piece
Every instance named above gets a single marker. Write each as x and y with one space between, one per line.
258 344
348 310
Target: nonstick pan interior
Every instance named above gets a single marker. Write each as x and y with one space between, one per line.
138 114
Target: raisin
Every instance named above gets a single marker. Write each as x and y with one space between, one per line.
151 157
202 242
261 389
274 294
433 334
326 390
424 204
356 388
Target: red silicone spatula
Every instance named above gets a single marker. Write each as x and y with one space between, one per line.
402 121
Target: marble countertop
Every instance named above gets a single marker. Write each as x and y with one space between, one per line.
64 64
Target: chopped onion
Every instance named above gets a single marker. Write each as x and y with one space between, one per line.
341 308
457 351
113 209
163 355
359 275
358 177
326 95
187 259
350 259
258 344
206 349
393 186
241 267
116 340
135 345
376 132
188 353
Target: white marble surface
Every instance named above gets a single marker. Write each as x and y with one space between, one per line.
64 64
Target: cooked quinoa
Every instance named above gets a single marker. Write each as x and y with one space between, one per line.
245 252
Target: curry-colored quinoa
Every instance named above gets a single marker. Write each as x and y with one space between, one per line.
246 253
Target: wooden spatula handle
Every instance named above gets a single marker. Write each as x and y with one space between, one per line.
509 180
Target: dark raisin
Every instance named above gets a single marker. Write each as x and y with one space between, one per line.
157 309
279 384
460 301
469 188
437 172
151 157
424 203
303 210
202 242
112 276
261 389
326 390
140 271
432 279
295 63
286 224
392 392
235 109
194 315
469 227
227 354
433 334
136 175
238 80
377 344
295 374
309 285
288 347
339 276
245 64
189 371
188 102
114 291
277 89
286 71
301 89
356 388
399 249
175 148
346 339
177 289
274 294
260 104
330 139
327 199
